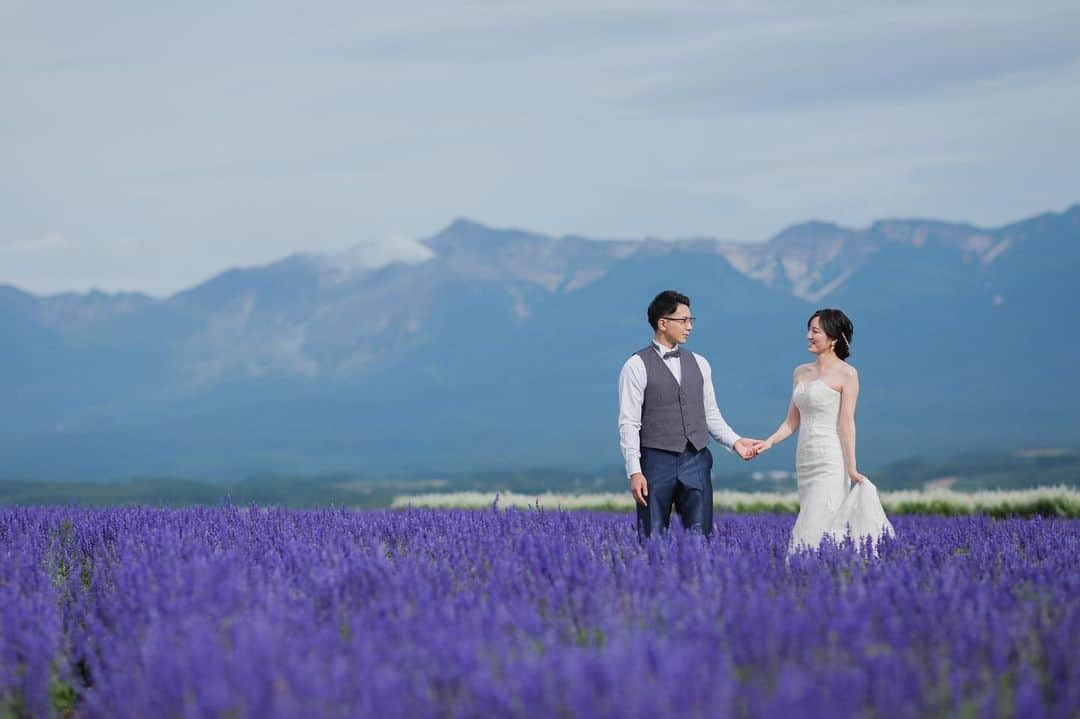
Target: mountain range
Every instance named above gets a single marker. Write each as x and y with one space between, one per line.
501 348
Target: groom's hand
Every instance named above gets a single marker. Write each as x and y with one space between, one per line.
745 447
639 488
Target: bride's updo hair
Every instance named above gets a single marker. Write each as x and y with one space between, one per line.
838 327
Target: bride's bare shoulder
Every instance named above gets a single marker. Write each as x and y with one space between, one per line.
803 370
848 371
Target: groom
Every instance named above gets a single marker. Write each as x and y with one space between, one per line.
667 410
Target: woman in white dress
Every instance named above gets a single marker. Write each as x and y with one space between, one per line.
823 410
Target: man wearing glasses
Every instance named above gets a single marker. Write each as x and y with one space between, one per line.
667 411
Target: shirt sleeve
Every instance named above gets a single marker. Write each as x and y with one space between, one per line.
631 395
720 430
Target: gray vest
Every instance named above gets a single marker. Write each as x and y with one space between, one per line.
673 414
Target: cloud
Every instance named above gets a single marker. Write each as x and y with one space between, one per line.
885 58
366 256
244 135
51 243
573 29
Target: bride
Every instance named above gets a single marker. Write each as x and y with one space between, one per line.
823 410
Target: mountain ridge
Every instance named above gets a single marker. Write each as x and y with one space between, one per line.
812 229
302 366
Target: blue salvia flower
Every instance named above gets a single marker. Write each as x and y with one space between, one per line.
253 612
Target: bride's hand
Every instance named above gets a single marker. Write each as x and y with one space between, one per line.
762 446
856 477
745 448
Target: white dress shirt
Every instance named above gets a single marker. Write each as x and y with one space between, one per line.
632 381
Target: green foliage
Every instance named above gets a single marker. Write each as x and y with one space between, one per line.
64 697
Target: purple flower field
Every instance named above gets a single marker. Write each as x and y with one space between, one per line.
236 612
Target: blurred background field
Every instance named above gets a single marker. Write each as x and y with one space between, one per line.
1044 501
1025 481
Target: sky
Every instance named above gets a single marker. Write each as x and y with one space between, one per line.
149 146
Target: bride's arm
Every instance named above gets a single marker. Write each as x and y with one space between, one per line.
846 423
786 428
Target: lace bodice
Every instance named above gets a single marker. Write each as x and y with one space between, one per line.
819 407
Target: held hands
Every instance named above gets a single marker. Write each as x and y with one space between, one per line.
762 445
639 488
745 447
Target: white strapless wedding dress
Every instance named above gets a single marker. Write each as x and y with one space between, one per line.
826 506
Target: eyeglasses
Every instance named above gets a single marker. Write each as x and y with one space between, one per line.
684 320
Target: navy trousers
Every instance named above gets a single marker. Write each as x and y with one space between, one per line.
676 479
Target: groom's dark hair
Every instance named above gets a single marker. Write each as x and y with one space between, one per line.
664 304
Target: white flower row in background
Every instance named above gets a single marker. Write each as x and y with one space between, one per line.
1056 501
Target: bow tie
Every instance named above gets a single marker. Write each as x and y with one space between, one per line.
672 353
